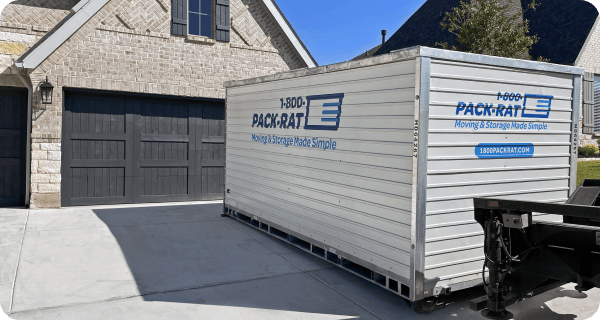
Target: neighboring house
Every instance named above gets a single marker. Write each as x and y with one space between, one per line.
138 107
568 31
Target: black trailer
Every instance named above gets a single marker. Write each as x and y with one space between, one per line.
526 257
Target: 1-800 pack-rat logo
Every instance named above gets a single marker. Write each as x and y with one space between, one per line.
319 112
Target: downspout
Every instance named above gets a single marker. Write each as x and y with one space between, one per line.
28 142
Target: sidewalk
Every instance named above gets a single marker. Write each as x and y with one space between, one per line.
185 261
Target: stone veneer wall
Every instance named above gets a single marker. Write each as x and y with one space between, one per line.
128 47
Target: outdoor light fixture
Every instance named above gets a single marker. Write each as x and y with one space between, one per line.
47 89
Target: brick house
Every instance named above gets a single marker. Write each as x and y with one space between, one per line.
569 34
137 111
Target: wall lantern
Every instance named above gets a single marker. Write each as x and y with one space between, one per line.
47 88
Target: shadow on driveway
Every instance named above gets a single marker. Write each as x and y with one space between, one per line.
190 255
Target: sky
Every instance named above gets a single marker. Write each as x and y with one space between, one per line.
339 30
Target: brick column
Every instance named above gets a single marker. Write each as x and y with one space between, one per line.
46 146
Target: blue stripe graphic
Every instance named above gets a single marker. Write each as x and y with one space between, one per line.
331 111
329 120
332 104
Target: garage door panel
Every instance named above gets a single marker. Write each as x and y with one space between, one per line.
164 181
165 119
212 170
154 146
94 149
97 149
91 186
164 151
5 171
212 183
86 183
97 116
94 142
152 150
213 121
212 180
11 148
10 174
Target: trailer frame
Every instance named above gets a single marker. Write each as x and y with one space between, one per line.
526 257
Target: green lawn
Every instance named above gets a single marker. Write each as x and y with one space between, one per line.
588 170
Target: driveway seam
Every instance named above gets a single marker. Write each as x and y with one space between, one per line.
310 273
12 291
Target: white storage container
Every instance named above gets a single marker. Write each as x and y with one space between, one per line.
373 164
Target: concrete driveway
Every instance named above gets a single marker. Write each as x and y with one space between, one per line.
184 261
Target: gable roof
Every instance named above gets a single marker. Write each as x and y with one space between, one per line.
562 25
83 11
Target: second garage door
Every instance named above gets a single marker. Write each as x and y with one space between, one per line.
119 149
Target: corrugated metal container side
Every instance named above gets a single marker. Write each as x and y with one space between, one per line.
355 197
373 164
456 174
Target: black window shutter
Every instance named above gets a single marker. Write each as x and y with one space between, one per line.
588 103
179 17
222 19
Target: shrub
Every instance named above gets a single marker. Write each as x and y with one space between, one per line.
588 150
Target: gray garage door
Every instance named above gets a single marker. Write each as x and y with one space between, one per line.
120 149
13 106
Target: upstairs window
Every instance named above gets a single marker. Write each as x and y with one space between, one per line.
200 18
205 18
